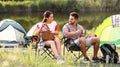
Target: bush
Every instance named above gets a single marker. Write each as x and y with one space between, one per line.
1 7
58 5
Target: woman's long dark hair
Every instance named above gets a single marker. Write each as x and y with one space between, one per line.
46 15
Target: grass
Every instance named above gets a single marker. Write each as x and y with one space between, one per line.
19 57
26 57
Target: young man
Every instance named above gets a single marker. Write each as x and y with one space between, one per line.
77 33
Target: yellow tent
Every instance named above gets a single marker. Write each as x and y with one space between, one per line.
109 30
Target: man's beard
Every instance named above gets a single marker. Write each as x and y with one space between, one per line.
71 23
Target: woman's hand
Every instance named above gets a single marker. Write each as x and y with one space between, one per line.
43 24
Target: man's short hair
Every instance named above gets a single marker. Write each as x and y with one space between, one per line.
74 14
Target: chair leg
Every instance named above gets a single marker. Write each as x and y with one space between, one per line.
77 57
63 50
74 54
49 53
36 52
80 55
68 50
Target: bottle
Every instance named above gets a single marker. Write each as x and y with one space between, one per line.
41 43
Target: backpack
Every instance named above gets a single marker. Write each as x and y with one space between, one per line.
109 50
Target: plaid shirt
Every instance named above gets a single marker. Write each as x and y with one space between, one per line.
69 28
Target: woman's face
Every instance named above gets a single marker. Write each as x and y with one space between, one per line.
50 18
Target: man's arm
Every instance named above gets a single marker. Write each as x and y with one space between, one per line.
70 34
83 33
67 33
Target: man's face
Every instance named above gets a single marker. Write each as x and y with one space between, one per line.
72 20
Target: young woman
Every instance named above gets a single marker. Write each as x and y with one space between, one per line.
53 27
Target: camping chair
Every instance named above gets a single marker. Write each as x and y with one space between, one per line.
40 47
28 40
72 48
43 49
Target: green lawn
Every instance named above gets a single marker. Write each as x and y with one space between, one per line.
26 57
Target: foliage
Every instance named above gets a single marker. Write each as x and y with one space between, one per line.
58 5
87 20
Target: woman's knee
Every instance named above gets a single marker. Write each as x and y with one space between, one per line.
57 39
50 43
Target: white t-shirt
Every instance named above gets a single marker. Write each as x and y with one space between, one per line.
52 26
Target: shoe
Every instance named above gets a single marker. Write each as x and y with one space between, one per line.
60 60
95 60
86 60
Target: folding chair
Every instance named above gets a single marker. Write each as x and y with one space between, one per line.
28 40
72 48
40 47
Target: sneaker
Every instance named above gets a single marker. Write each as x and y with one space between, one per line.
86 60
60 60
95 60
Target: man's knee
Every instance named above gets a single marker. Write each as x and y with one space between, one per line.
82 41
95 40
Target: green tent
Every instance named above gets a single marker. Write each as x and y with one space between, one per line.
109 30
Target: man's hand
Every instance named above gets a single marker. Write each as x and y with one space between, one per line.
79 31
